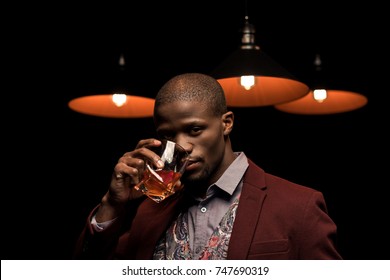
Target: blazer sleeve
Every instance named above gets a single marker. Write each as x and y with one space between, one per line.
92 244
319 232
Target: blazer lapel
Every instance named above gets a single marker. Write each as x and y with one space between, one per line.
150 223
252 197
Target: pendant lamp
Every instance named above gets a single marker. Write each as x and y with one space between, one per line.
250 78
116 104
321 100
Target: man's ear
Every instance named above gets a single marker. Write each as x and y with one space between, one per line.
228 121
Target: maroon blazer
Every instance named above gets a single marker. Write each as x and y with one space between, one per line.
275 219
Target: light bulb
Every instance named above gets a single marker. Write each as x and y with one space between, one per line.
320 95
119 99
247 82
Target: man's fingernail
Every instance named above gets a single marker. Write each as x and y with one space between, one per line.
160 163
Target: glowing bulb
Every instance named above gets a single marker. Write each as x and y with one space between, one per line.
319 95
247 82
119 99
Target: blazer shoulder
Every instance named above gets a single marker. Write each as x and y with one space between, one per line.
256 176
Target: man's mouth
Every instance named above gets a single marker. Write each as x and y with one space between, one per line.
192 164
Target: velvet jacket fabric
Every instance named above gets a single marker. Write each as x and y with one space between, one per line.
275 219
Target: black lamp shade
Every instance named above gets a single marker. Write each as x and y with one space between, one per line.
273 84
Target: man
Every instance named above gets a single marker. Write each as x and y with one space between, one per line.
228 207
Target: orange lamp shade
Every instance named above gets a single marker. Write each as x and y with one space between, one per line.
103 106
337 101
267 91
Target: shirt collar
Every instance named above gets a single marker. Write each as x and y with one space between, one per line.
231 178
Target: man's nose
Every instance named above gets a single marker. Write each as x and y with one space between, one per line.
182 141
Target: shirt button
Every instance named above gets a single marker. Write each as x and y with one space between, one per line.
203 209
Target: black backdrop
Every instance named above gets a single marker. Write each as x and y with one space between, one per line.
59 162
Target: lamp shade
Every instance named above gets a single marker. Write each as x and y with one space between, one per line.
337 101
117 104
104 106
321 100
271 83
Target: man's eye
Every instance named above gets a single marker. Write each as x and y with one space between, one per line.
195 129
167 137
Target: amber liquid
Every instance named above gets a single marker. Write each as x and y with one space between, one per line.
158 189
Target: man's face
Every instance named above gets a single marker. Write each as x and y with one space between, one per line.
193 126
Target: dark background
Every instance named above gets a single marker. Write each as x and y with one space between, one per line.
59 162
